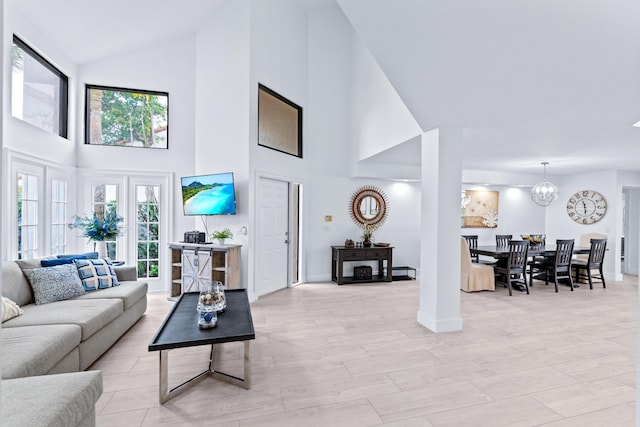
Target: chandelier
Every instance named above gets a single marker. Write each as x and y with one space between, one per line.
544 192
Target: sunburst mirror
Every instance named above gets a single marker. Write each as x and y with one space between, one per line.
369 205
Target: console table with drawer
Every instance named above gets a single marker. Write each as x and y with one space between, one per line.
342 254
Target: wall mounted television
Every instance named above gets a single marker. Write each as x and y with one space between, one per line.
212 194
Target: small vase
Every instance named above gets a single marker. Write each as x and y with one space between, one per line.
220 241
100 246
207 315
366 242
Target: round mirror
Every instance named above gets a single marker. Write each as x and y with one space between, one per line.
368 206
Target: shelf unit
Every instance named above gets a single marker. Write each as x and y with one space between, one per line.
225 264
403 273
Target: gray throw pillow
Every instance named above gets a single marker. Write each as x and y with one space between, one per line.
55 283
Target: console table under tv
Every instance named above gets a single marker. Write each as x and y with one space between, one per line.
342 254
191 262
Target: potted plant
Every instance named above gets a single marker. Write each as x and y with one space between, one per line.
220 236
99 228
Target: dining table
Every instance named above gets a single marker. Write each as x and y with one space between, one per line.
498 252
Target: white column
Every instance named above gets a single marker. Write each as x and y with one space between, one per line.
440 230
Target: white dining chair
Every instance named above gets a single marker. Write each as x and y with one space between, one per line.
474 277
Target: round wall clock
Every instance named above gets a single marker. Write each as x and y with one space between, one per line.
586 207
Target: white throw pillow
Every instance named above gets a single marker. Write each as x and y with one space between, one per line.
10 309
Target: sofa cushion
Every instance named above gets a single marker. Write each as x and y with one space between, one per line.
10 309
96 273
35 350
56 283
28 264
15 285
128 292
90 314
51 400
126 273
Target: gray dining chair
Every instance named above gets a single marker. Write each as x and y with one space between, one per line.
584 269
561 266
502 240
514 271
537 264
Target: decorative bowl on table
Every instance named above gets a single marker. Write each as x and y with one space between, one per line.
534 239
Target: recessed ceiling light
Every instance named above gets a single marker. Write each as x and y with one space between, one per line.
636 124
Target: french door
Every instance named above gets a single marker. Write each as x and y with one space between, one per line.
144 201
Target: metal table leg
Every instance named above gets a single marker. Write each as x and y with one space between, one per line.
165 394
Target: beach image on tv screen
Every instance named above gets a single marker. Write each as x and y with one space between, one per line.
208 195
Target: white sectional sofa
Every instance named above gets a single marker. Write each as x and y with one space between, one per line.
61 337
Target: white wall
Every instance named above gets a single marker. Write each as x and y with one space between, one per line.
167 67
561 226
222 112
517 214
332 195
380 119
328 190
21 136
279 60
333 102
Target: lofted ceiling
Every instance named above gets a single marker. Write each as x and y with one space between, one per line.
95 29
527 81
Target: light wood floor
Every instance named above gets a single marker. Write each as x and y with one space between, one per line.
354 355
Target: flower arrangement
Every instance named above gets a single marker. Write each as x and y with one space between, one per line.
98 229
367 230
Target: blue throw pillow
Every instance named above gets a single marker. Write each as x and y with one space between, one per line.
86 255
57 261
96 273
56 283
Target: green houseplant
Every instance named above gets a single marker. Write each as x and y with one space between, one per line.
221 235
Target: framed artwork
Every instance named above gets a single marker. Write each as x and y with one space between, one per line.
479 209
126 117
279 122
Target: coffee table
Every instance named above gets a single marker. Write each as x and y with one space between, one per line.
180 329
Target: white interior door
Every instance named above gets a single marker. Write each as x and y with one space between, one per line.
272 233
